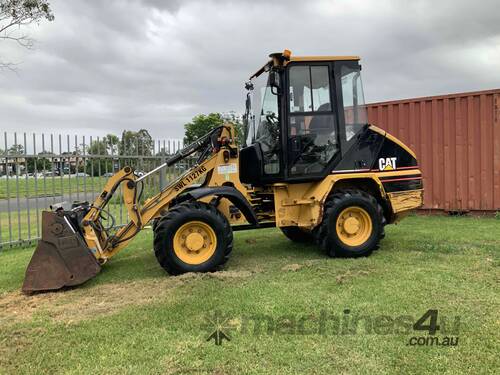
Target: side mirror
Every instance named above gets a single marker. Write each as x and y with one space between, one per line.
274 82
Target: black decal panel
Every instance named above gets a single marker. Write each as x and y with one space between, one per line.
402 183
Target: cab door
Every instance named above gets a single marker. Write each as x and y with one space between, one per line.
312 122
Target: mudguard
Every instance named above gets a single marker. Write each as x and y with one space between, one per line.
228 192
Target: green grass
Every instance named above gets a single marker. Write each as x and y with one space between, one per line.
55 186
48 186
133 318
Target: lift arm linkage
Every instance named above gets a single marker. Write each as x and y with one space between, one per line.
105 246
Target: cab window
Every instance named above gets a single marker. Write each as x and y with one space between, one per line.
355 113
266 124
312 131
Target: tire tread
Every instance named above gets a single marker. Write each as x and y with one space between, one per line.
322 232
161 229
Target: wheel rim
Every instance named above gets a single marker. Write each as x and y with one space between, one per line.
195 242
354 226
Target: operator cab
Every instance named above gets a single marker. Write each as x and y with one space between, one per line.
302 115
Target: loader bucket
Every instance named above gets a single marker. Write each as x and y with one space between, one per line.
61 257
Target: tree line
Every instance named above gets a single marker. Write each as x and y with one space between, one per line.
202 124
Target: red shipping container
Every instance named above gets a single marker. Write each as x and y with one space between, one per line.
457 141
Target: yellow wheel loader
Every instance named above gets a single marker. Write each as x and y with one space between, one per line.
310 165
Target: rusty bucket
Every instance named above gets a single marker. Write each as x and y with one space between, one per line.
61 257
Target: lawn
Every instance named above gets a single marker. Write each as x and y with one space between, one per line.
30 187
284 307
49 186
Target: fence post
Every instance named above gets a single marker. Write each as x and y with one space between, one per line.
163 173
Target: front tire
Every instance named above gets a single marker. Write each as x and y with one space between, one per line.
192 237
352 226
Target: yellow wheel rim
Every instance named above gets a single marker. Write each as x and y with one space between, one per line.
195 242
354 226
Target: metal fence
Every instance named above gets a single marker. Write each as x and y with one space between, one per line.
38 170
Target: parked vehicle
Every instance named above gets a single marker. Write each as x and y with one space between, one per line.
317 171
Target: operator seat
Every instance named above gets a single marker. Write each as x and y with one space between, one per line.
322 124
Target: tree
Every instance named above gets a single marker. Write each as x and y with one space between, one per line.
104 147
200 125
108 145
232 118
14 14
16 149
112 142
136 143
39 163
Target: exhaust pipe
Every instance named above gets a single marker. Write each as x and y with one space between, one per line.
61 257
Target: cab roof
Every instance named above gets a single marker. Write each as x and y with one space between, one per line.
323 58
285 57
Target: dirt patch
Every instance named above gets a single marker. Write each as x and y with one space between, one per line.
78 304
222 275
189 276
350 275
291 267
314 262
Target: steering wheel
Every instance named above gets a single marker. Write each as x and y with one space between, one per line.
307 144
272 126
272 118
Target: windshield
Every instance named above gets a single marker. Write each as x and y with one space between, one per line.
262 106
262 120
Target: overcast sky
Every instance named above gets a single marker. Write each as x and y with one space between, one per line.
105 66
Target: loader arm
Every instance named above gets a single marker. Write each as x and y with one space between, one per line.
105 246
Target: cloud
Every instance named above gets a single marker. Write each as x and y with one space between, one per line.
114 65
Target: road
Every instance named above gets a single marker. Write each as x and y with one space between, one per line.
43 202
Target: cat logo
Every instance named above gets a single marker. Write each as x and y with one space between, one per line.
387 164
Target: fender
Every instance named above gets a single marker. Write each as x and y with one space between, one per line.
233 195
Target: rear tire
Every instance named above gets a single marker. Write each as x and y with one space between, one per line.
298 235
352 226
192 237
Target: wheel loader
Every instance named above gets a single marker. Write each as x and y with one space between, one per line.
310 164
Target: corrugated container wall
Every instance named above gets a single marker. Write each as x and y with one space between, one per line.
457 141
